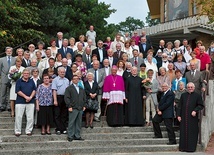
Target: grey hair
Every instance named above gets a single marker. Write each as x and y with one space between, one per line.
8 48
165 84
162 68
89 73
190 83
61 68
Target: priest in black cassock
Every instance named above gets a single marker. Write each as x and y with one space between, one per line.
134 99
190 103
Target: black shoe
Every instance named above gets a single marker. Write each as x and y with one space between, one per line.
58 133
70 139
2 109
170 143
79 138
9 110
86 126
91 126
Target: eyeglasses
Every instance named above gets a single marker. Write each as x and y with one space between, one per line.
35 71
190 87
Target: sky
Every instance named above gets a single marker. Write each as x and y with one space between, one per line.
125 8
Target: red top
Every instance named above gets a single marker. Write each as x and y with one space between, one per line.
197 51
205 59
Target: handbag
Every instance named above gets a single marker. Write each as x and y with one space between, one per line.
92 104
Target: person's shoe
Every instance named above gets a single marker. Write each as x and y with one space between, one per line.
43 133
2 109
64 132
86 126
17 134
58 133
170 143
9 110
48 133
91 126
96 119
29 134
79 139
70 139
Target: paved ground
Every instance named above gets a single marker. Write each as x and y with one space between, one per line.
210 147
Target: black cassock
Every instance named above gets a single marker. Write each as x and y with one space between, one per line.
134 94
189 125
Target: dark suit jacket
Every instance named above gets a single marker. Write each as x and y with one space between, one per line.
69 50
148 46
73 99
85 59
96 51
166 104
57 42
115 55
68 73
46 71
92 90
24 63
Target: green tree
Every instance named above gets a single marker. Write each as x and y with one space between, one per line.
130 25
18 22
151 22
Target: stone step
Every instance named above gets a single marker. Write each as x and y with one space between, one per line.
86 143
123 129
71 149
91 136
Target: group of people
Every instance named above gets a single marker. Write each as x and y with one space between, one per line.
138 84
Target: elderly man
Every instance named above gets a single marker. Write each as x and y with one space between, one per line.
68 72
75 99
165 112
26 90
86 57
99 76
64 49
59 39
195 77
5 64
118 53
114 93
100 51
190 104
106 67
144 46
80 49
117 40
112 60
59 84
136 60
26 60
91 34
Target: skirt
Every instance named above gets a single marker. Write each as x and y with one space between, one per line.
45 115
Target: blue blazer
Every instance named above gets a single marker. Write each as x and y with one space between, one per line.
69 50
166 105
174 84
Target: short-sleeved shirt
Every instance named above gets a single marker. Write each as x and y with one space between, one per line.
60 84
205 59
44 95
26 87
91 35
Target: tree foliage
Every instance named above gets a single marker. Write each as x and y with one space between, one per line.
130 25
18 21
206 7
22 20
151 22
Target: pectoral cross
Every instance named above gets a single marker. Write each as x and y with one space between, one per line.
114 84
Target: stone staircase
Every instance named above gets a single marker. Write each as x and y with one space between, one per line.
99 140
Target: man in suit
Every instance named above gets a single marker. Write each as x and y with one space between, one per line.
99 76
86 57
136 60
195 77
112 61
106 68
51 63
148 40
75 100
165 112
68 73
144 46
100 52
5 64
59 39
26 60
64 50
118 53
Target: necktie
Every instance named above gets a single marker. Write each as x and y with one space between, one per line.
8 61
192 73
95 75
135 61
65 50
118 53
88 58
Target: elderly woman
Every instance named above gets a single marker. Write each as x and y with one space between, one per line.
91 90
121 67
163 78
20 53
179 64
72 44
53 48
177 49
19 69
44 105
41 46
127 72
169 52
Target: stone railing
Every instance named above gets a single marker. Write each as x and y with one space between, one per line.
176 24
